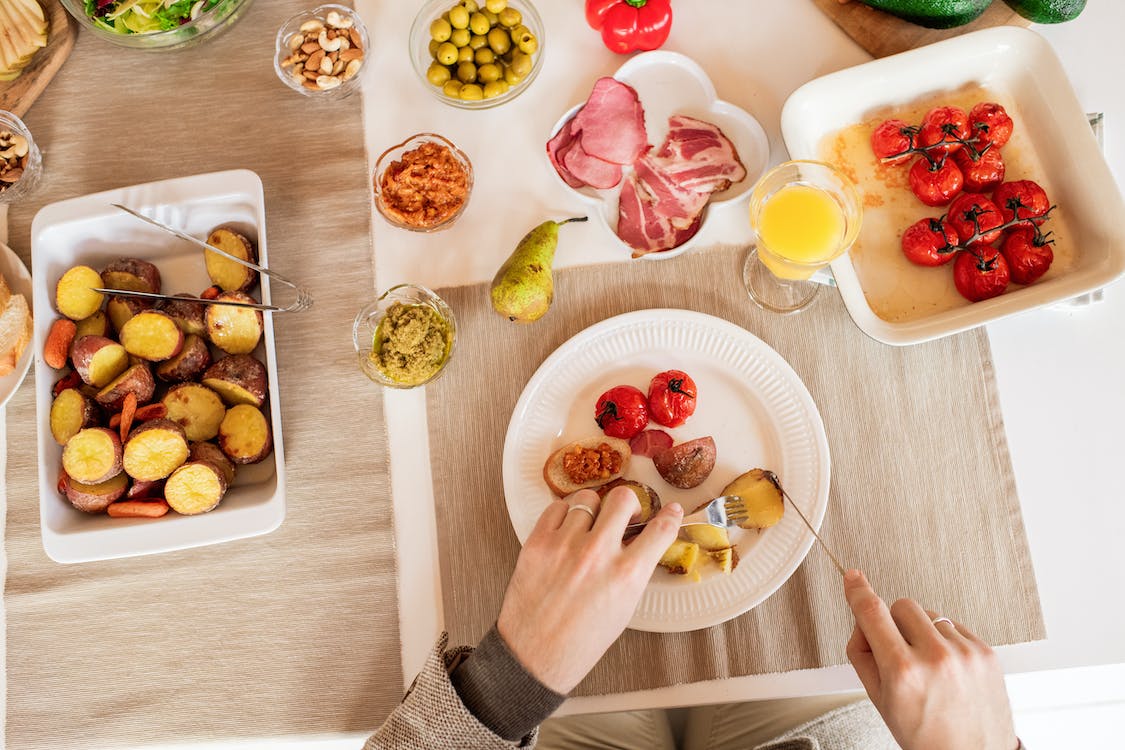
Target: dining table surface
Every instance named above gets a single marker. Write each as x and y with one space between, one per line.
1059 369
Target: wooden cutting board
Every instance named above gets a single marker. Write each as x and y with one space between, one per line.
882 34
18 95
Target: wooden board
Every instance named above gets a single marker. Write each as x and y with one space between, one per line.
882 34
18 95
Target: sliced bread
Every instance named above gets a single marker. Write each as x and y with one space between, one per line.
15 332
590 454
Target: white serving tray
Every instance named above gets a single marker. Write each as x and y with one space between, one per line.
88 230
1020 65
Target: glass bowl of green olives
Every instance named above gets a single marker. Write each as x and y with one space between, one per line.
477 54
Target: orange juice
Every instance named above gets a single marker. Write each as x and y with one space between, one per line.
800 228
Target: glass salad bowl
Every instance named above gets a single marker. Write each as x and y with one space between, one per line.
156 24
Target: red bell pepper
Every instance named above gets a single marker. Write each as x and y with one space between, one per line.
629 25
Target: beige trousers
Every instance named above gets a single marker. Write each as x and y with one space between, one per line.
728 726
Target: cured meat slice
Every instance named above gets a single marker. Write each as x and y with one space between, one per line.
696 156
642 227
557 148
612 123
589 170
678 205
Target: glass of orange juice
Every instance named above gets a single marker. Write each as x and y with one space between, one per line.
804 214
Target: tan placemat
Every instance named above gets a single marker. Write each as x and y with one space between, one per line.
922 494
295 632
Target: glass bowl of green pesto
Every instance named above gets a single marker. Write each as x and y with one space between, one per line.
404 338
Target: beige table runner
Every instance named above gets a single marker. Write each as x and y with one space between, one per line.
922 494
292 632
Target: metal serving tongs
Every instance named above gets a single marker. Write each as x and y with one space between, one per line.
303 302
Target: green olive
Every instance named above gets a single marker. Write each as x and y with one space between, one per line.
478 41
437 74
471 93
504 87
478 24
489 73
440 30
467 72
465 54
445 16
519 33
434 45
461 37
471 5
459 17
521 64
509 17
493 19
495 6
512 77
528 45
452 88
492 89
499 41
484 56
447 53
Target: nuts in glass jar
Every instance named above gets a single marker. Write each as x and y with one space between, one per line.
13 158
324 53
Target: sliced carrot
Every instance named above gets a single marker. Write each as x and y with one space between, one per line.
150 411
56 350
137 509
128 411
115 421
70 380
211 292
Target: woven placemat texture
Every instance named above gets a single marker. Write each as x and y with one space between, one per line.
922 494
294 632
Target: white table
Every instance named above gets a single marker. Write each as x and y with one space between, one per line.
1059 371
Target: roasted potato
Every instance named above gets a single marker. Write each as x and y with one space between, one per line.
213 454
95 498
152 335
239 379
224 272
98 360
93 455
235 330
143 489
74 295
193 359
136 380
244 435
95 325
196 408
70 413
187 314
121 310
762 494
154 450
688 464
132 275
680 557
646 496
195 487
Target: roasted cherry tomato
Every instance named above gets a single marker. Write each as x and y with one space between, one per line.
983 170
929 242
990 124
936 184
622 411
975 218
671 398
892 141
1028 253
980 276
1022 198
943 129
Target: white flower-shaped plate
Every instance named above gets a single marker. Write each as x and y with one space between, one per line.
669 83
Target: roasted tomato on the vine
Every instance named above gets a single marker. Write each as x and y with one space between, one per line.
1022 198
983 170
975 218
980 276
671 398
893 138
936 184
622 411
1028 253
989 123
930 242
943 129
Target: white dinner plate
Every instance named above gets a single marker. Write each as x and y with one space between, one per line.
19 280
91 231
750 401
667 84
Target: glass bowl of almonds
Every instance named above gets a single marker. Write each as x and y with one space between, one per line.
321 52
20 160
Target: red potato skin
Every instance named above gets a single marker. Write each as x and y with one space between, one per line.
82 352
213 454
194 358
242 370
142 271
686 465
142 489
189 316
136 380
92 502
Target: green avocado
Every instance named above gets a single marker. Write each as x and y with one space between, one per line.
1047 11
938 14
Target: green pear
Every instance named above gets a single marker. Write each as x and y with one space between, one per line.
524 286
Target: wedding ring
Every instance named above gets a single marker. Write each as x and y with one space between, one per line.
580 506
936 620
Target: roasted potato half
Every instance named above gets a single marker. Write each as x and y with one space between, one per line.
762 495
131 275
224 272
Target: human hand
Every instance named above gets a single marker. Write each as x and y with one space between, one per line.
937 686
576 585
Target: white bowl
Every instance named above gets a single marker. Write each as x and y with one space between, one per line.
669 83
89 230
1020 66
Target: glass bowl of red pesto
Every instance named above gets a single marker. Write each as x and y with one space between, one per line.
422 184
404 338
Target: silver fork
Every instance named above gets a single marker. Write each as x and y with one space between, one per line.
724 511
304 299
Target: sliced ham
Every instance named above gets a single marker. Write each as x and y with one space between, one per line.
557 148
696 156
644 228
587 169
612 123
650 442
679 205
